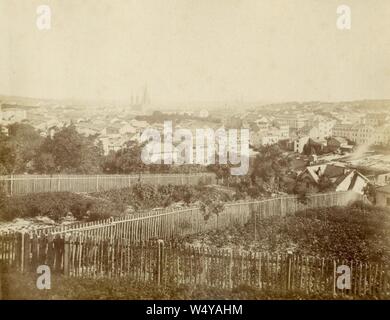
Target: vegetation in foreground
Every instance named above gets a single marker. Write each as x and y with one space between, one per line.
23 287
355 232
101 205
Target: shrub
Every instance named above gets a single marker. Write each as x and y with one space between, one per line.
56 205
355 232
145 196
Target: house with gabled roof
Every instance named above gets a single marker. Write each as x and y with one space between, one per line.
337 177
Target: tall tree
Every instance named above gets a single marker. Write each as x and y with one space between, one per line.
126 160
269 165
70 152
24 143
7 155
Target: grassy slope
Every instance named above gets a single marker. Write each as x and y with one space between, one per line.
23 287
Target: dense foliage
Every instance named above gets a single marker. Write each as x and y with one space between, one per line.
145 196
18 148
67 151
56 206
358 232
104 204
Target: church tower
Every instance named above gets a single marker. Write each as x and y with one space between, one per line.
145 97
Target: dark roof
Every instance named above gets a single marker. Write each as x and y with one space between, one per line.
354 178
341 178
341 140
332 171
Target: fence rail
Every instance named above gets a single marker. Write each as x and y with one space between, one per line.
166 224
24 184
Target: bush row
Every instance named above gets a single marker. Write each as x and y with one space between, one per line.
146 196
56 206
101 205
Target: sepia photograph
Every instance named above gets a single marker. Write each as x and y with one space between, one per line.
194 150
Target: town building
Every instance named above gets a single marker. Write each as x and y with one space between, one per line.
374 119
299 143
269 136
293 121
10 113
358 133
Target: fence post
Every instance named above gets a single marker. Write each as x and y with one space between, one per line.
334 277
255 222
26 251
288 278
231 269
66 255
97 183
22 236
11 184
160 252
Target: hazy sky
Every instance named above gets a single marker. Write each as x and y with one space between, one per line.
189 50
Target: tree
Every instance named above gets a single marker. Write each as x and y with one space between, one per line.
370 192
44 163
300 189
222 171
211 207
7 156
69 152
269 166
3 196
24 143
126 160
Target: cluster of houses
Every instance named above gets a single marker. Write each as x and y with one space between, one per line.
338 176
342 178
11 113
320 133
301 132
337 132
111 131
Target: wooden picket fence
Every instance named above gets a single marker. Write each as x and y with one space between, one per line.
25 184
167 224
142 247
167 263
